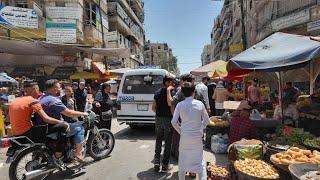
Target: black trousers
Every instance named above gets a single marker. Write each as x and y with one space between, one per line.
164 131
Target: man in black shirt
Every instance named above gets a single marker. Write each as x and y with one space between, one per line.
163 125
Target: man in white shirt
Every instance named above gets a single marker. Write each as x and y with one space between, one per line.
202 89
194 118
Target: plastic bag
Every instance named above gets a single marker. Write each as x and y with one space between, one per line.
219 143
255 115
249 151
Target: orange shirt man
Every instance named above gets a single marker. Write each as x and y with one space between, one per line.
21 109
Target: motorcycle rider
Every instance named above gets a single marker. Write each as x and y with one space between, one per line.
21 109
53 106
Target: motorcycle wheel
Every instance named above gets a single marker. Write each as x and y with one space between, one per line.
97 149
17 171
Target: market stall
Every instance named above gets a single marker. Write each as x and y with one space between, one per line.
284 151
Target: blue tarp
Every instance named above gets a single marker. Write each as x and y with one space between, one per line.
278 52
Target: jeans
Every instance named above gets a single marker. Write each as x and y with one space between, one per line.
77 131
164 131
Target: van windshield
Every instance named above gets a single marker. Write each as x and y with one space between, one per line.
136 85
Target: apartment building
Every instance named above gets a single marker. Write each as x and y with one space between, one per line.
261 19
207 54
126 18
160 54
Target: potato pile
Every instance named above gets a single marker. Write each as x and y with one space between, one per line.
218 122
296 155
257 168
218 171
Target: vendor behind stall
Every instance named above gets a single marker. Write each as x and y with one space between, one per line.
241 126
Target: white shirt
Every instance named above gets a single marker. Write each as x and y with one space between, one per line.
202 89
291 111
194 118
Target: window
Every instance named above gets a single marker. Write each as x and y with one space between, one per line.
60 4
159 47
120 39
250 4
136 85
91 16
22 3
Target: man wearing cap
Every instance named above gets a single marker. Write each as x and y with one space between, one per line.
241 126
81 95
193 120
21 109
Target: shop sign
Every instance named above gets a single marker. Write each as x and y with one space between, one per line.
63 12
38 9
236 48
312 26
291 20
19 17
61 30
27 72
63 72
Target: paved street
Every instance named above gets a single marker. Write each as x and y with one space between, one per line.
131 159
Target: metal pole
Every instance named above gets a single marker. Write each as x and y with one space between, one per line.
281 96
244 34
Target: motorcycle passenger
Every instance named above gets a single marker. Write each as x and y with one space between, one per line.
103 103
70 102
53 106
21 109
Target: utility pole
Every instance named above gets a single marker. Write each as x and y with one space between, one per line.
243 27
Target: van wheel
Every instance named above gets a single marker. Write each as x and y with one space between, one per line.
133 126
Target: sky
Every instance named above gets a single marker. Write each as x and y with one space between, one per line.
184 24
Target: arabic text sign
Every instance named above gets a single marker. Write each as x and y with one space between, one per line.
313 26
62 30
19 17
63 12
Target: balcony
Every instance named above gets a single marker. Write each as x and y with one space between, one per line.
217 33
128 10
120 21
285 8
92 36
226 13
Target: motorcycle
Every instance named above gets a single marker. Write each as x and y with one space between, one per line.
36 160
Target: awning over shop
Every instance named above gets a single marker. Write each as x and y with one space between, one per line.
118 72
84 75
279 52
4 78
42 48
216 68
99 67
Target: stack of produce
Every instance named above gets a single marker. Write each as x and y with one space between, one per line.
296 155
214 121
219 143
313 143
216 172
256 168
286 135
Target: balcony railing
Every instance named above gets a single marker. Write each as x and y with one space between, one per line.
290 6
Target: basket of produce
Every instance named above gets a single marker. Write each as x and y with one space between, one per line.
218 121
218 173
305 171
253 169
294 155
312 143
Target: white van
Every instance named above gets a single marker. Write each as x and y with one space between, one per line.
136 93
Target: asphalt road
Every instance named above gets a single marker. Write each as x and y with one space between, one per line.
131 159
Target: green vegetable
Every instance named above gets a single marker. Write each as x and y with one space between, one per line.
315 142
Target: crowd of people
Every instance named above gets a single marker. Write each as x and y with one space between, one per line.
182 113
57 109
